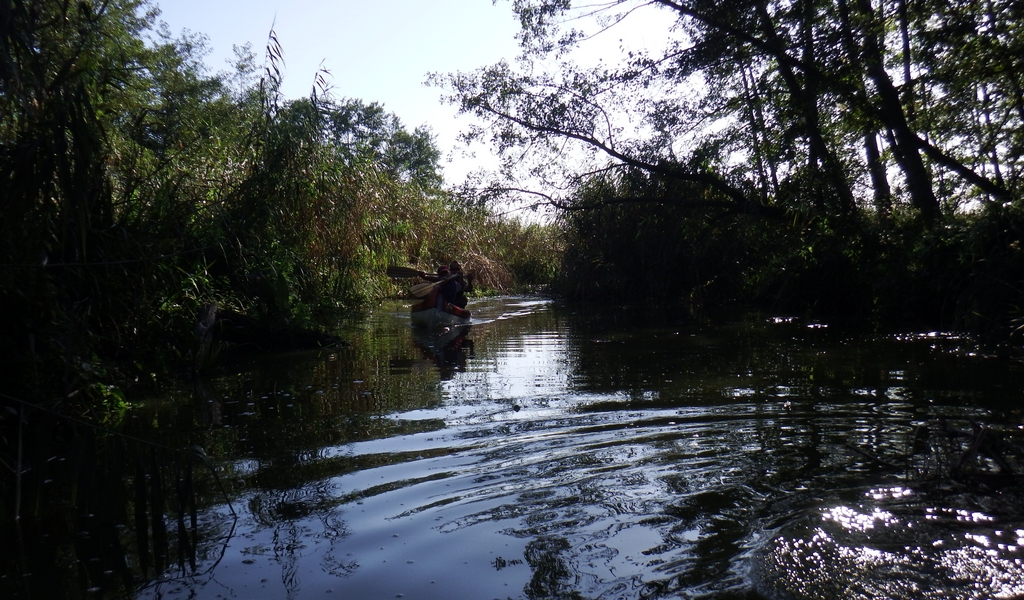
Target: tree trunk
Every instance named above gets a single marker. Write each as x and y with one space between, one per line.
891 112
989 142
806 101
879 182
809 98
908 76
764 162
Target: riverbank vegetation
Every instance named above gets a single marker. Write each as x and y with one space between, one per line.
147 201
849 159
831 159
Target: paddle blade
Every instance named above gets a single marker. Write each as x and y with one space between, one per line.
403 272
422 290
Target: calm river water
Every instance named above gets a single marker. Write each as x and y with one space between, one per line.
553 452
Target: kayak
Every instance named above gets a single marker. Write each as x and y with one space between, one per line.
427 315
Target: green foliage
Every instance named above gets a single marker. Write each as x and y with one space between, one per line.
635 252
842 158
140 191
110 400
532 251
964 273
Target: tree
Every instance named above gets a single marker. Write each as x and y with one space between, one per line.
366 130
800 88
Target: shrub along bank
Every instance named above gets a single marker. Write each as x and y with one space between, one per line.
141 193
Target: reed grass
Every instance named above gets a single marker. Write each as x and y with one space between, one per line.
141 191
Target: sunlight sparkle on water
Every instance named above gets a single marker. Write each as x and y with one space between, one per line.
1004 576
893 492
851 520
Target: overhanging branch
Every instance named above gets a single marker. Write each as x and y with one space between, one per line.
740 202
982 183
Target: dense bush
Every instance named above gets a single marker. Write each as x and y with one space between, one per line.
965 272
139 189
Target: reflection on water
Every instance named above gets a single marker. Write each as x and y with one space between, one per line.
547 453
894 545
447 348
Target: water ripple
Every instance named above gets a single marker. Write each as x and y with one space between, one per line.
568 458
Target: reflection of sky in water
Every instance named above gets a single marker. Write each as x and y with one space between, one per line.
520 368
659 462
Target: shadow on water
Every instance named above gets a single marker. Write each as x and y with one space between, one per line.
98 511
547 453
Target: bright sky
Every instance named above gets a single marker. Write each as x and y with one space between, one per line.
376 50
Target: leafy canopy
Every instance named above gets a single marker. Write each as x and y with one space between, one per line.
759 106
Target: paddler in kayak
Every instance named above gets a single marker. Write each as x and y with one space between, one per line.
465 284
442 295
449 290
